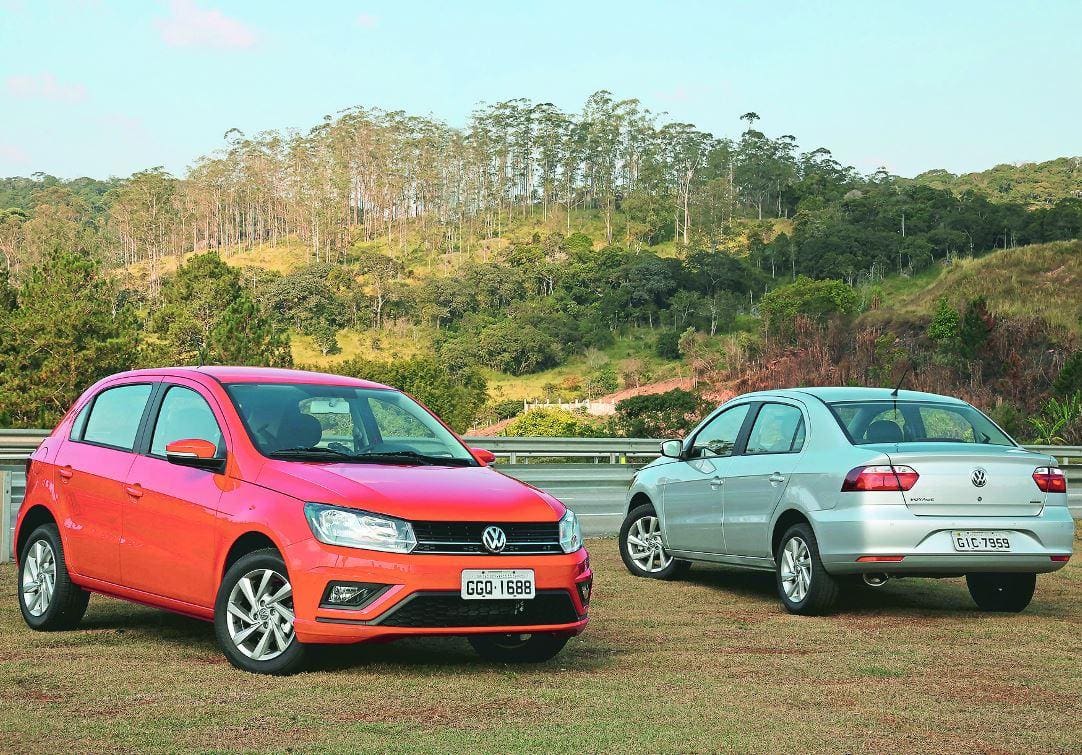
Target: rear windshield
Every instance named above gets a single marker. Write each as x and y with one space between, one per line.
916 422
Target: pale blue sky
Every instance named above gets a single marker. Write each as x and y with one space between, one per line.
101 87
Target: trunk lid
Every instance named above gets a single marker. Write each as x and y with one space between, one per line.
965 479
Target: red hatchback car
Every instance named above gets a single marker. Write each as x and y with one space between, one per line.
292 508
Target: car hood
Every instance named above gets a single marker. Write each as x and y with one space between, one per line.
419 493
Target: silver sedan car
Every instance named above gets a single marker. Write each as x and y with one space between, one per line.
835 486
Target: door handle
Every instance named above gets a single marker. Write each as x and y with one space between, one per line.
776 478
716 483
135 491
66 473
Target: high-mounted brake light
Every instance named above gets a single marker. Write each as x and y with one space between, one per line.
1050 479
880 477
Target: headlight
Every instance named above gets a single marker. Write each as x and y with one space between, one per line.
359 529
570 532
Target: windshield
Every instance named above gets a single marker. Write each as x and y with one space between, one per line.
916 422
303 422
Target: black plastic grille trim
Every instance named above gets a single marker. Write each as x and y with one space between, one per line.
426 610
465 537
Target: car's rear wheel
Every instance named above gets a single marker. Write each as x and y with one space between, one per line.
47 597
253 616
643 549
518 648
1002 592
804 586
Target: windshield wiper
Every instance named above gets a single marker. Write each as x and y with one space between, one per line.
411 456
310 451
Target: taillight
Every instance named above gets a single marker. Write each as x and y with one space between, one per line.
880 477
1050 479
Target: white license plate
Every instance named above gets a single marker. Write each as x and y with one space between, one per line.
497 584
981 541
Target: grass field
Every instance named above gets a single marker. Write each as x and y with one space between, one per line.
710 663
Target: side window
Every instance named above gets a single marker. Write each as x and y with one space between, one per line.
719 436
80 422
945 424
779 429
115 414
395 422
184 414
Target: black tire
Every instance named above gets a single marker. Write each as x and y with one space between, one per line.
68 601
823 590
514 648
288 661
1002 592
673 570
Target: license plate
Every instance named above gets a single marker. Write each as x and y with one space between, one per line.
497 584
981 541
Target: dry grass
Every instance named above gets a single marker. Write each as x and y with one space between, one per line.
706 664
1042 280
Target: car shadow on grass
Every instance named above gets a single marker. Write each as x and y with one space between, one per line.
110 622
926 595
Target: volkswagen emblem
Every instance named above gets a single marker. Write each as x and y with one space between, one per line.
979 477
495 540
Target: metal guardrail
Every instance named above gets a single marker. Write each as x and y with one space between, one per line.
559 465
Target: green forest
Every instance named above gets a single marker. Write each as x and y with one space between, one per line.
548 256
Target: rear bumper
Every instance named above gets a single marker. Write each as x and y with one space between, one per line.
423 599
925 545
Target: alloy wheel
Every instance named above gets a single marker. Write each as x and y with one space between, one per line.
796 569
39 578
260 614
645 546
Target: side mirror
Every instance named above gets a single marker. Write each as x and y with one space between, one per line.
484 456
672 449
194 452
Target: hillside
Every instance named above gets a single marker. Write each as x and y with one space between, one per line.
1030 184
1041 280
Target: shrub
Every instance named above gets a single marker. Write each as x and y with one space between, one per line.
659 415
551 422
817 300
667 345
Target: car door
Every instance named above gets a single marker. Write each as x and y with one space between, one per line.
756 478
693 503
170 533
92 467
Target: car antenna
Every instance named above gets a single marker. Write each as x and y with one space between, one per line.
905 374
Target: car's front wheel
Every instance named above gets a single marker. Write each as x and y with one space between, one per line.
49 600
804 586
253 616
643 549
518 648
1002 592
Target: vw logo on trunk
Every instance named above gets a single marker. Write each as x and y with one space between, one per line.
979 477
494 539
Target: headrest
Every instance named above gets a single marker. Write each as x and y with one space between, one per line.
299 430
883 431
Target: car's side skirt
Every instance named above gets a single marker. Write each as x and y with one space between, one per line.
744 562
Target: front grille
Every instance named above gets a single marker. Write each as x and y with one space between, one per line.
447 609
465 537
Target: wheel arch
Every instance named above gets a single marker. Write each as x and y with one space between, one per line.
245 543
784 521
35 516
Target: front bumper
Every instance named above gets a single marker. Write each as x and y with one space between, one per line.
924 542
424 597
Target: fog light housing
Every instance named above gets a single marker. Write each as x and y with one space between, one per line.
585 589
351 594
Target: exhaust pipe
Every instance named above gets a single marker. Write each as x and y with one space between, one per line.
875 580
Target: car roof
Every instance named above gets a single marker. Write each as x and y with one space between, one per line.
831 395
230 374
